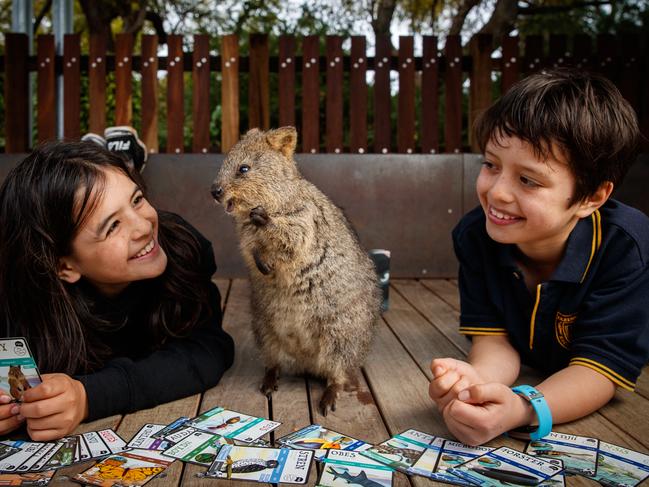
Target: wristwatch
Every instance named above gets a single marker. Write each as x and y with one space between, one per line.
543 414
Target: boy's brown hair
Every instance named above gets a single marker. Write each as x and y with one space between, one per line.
582 114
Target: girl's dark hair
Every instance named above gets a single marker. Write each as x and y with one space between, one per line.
584 114
43 203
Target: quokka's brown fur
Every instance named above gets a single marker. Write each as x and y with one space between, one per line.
17 382
315 294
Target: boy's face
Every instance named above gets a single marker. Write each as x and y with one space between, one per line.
526 199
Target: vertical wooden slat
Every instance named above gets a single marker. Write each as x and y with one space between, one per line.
175 95
123 81
558 50
480 86
201 93
310 94
97 84
149 70
334 104
71 86
259 83
430 97
406 102
511 63
533 54
286 80
229 91
46 118
358 96
453 82
15 93
382 102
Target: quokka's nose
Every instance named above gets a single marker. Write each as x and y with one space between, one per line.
217 191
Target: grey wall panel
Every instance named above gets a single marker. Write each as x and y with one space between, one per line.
472 165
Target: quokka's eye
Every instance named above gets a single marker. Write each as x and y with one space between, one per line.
244 168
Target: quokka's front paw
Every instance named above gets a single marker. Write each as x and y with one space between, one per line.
328 400
259 217
263 267
270 382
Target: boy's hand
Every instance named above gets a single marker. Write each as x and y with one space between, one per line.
450 376
9 418
54 408
484 411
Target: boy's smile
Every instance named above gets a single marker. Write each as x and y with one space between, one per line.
526 199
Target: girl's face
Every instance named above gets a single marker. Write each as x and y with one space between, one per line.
118 242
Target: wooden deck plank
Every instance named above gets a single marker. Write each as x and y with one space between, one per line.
445 289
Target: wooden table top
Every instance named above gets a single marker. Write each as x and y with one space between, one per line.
392 394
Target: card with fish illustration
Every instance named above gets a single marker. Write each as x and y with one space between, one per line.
578 453
199 447
454 453
270 465
233 424
131 468
65 455
145 439
18 370
402 451
320 439
620 467
175 425
504 465
31 479
343 468
25 451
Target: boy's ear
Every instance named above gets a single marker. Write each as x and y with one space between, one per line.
597 199
283 139
67 271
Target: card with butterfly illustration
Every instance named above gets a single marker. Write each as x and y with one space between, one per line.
18 370
256 464
320 439
132 468
232 424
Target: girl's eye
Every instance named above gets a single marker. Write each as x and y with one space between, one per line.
528 182
138 199
244 168
112 228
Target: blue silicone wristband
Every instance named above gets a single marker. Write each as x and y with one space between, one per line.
541 409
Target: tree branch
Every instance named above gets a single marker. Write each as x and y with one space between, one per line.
39 18
560 8
458 19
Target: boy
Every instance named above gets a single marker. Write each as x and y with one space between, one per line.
553 273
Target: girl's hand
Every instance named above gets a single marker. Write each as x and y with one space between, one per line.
450 376
485 411
9 419
54 408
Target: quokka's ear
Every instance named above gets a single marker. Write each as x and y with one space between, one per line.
251 132
283 139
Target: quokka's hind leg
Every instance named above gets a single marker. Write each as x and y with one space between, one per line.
270 382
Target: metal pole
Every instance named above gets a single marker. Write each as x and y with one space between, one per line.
22 12
62 23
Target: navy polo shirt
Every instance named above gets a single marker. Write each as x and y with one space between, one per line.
593 311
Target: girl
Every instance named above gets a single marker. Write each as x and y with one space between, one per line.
114 298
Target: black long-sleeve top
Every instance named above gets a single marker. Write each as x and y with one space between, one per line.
138 375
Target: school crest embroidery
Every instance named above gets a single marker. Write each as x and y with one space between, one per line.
562 328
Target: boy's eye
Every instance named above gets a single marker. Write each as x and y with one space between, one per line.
528 182
488 164
244 168
112 228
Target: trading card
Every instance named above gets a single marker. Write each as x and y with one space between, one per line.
65 455
321 439
199 447
145 440
402 451
179 434
131 468
31 479
620 467
6 450
112 440
232 424
18 371
42 452
175 425
453 454
26 450
578 453
82 449
343 468
507 466
47 457
95 444
271 465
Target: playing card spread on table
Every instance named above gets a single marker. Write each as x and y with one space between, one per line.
64 455
39 457
175 425
269 465
343 468
6 450
200 447
620 467
145 439
233 424
402 451
578 453
25 451
131 468
31 479
452 454
320 439
18 370
507 466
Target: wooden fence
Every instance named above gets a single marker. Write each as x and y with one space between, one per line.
327 121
